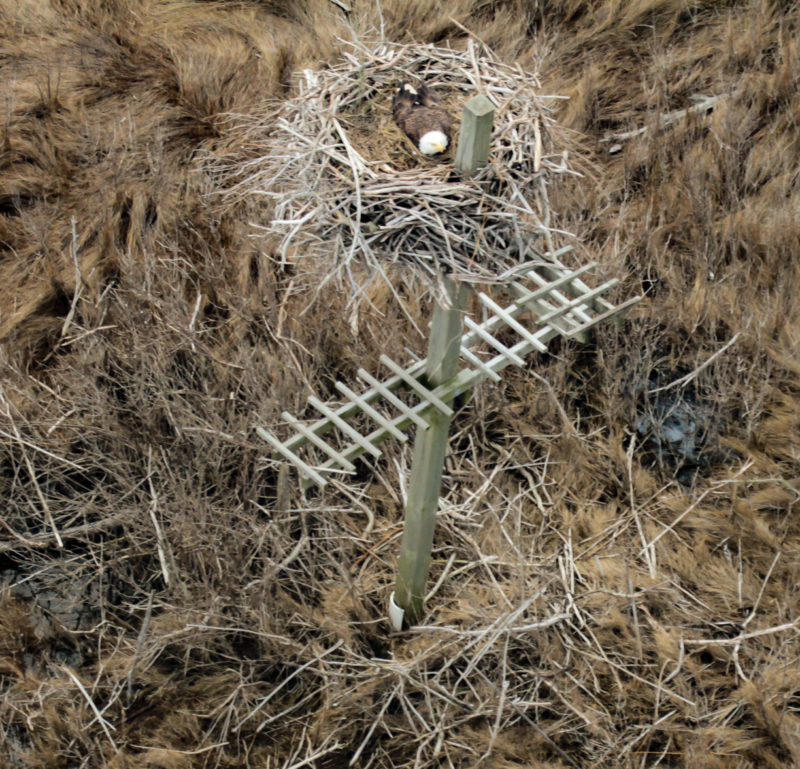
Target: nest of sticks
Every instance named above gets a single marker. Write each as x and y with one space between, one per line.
348 187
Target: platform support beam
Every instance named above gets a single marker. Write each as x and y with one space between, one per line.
428 461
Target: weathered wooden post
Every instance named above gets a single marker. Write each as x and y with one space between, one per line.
406 604
476 132
428 462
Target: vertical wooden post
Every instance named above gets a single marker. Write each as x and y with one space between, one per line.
428 462
476 131
406 603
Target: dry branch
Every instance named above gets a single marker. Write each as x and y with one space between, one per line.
705 104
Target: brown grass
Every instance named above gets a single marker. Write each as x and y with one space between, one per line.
601 599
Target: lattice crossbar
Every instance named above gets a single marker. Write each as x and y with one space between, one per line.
550 300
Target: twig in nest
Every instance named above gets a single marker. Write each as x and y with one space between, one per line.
31 471
103 723
744 636
46 538
161 543
139 644
78 281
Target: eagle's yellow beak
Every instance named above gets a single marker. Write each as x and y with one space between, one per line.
439 147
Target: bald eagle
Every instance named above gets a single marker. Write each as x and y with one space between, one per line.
422 118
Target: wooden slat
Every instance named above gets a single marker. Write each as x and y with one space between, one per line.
344 427
304 468
393 399
575 287
497 344
510 321
352 407
480 365
571 304
615 310
554 295
367 409
521 304
317 441
525 294
423 392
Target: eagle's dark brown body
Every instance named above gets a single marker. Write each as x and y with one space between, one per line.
419 114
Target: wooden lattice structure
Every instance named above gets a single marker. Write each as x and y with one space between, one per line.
551 300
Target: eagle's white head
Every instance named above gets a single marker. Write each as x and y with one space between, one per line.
432 143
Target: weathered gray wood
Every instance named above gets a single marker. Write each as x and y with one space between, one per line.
349 431
554 311
351 408
371 396
386 424
390 397
573 305
424 393
616 310
476 132
467 354
574 287
510 321
319 443
428 460
305 468
492 342
527 301
468 378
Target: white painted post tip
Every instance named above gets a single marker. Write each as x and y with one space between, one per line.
396 614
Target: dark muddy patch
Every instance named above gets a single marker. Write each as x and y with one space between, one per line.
677 428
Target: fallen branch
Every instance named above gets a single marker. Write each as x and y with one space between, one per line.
45 539
692 374
704 104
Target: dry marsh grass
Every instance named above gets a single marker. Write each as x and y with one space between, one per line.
601 595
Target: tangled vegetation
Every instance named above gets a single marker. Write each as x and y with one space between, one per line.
615 572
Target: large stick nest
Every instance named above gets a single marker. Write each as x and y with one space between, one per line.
349 187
